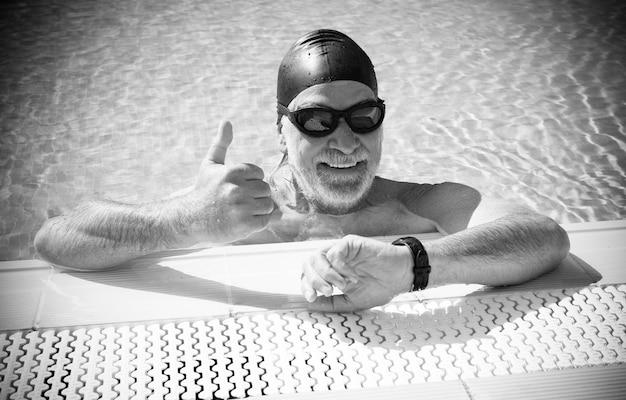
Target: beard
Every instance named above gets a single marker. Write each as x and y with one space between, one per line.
337 183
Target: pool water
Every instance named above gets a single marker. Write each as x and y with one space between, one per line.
525 101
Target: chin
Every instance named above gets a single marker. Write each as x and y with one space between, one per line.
336 193
342 198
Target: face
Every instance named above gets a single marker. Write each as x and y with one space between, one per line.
335 172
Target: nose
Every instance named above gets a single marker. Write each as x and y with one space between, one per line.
343 138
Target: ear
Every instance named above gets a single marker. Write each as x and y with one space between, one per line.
282 144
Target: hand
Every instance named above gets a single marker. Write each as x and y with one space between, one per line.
369 272
228 202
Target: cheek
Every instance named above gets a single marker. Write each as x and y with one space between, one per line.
296 149
373 143
302 148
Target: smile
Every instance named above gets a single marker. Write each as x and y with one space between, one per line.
342 166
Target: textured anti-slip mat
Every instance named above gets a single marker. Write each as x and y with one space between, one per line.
280 352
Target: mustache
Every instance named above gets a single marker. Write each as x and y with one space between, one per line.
331 156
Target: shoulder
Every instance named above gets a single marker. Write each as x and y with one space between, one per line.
387 189
420 195
451 194
449 205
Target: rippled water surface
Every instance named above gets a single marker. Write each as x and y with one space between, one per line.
119 99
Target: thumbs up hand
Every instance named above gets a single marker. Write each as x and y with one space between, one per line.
228 202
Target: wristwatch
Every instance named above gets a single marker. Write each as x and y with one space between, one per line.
421 267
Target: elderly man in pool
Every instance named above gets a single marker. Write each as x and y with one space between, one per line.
330 134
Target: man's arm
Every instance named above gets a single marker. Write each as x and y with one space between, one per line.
509 250
227 203
104 234
494 244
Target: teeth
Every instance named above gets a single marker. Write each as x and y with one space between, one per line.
342 165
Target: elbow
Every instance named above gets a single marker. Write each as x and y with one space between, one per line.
49 249
43 243
557 241
55 249
564 243
551 246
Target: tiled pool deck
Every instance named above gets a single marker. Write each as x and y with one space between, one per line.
230 323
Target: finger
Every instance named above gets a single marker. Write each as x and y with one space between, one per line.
321 274
261 221
259 189
220 143
318 283
307 290
311 281
336 303
247 172
263 206
253 189
254 172
266 219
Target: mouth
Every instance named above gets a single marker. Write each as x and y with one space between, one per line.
342 167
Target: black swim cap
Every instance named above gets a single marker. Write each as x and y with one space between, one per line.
323 56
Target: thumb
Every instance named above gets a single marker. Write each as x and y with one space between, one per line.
220 143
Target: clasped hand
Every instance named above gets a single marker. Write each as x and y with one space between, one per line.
368 272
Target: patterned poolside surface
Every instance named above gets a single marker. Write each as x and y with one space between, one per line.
119 99
302 352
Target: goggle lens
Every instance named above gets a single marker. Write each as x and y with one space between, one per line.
319 122
314 120
366 117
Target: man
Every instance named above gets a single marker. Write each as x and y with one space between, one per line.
330 133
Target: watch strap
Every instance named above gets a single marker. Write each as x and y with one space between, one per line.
421 265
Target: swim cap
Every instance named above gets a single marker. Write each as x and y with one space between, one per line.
322 56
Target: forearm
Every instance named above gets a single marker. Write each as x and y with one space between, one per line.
104 234
507 251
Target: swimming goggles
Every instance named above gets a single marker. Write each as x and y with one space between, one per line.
318 122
